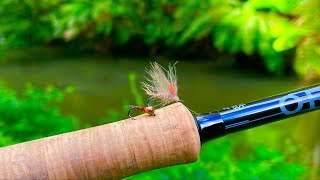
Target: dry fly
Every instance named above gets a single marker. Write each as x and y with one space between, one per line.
162 84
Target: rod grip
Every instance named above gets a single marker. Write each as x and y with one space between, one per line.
110 151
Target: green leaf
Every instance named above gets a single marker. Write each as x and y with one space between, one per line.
285 42
274 62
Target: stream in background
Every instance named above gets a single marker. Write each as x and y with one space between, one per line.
102 83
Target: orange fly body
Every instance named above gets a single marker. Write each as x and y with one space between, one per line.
172 89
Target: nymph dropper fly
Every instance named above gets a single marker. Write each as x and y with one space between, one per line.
148 109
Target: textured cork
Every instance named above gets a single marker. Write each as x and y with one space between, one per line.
110 151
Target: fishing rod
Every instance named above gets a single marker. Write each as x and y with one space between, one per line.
128 147
245 116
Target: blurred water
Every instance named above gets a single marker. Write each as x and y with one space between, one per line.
102 83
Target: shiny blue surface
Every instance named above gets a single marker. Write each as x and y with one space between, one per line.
244 116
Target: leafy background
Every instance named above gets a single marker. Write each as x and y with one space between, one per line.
235 43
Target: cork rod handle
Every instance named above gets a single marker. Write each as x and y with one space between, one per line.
110 151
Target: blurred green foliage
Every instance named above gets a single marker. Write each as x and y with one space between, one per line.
32 115
220 160
282 33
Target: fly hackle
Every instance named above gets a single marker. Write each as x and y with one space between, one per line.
161 84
